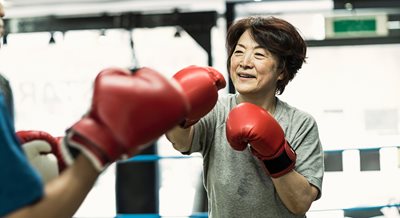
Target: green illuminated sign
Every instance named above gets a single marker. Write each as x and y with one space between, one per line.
341 26
355 26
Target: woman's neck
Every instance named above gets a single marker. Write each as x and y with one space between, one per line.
266 102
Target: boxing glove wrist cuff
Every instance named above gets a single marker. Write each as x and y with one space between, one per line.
77 144
68 152
282 163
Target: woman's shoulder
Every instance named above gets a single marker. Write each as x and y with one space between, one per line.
295 113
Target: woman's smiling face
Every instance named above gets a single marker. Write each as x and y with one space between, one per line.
253 69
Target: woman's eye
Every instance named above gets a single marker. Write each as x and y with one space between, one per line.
259 55
238 52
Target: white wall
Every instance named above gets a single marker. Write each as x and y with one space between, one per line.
354 93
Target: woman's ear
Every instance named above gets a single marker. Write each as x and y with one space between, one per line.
281 70
281 76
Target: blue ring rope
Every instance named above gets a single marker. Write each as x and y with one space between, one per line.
154 157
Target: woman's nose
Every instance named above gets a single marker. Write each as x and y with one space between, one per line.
246 61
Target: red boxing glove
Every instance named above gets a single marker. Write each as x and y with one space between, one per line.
248 123
128 110
43 152
201 85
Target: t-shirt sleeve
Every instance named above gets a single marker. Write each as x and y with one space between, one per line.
310 156
204 132
20 185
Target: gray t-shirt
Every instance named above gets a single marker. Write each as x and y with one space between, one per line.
235 181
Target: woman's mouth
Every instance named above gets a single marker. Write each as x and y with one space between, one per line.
245 75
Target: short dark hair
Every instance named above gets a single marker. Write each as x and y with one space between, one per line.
6 91
277 36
